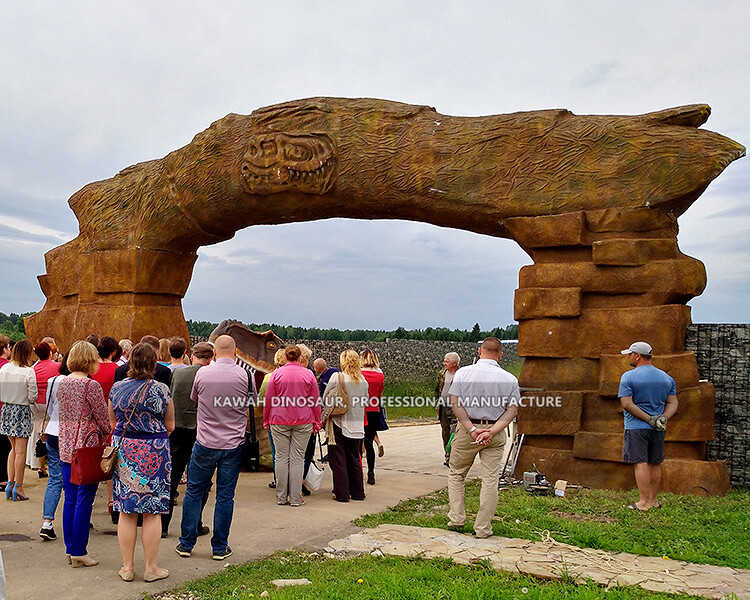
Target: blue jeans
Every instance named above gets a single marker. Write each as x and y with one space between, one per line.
79 500
203 462
55 480
273 454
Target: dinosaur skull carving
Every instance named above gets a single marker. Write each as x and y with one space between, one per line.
280 162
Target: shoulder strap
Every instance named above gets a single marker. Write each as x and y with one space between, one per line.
50 383
80 410
141 394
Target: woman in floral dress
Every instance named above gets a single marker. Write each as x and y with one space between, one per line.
142 417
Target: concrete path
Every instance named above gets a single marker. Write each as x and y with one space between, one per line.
551 560
412 466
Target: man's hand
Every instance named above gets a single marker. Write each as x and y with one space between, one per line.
658 422
484 437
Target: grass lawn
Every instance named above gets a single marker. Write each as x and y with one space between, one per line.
690 528
387 578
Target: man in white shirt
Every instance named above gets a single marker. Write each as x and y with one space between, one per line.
485 399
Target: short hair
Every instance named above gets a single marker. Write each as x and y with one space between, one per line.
492 344
118 353
21 353
349 363
107 345
93 339
126 345
151 340
42 350
292 353
279 359
83 356
177 347
369 359
454 357
142 362
203 350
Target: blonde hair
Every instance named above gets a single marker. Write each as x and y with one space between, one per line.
349 362
83 356
305 352
368 359
279 359
51 342
163 355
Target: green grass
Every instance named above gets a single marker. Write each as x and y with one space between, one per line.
690 528
410 388
387 578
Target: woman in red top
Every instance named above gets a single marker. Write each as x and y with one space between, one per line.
374 412
105 375
44 369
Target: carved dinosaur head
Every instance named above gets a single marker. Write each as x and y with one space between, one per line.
255 348
281 162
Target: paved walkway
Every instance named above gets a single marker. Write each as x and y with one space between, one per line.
412 466
550 560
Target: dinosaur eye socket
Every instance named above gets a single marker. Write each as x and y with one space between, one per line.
271 345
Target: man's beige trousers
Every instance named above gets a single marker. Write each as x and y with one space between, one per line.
463 453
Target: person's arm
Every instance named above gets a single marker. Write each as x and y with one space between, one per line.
462 416
270 393
627 404
99 407
169 416
671 408
112 416
32 391
510 413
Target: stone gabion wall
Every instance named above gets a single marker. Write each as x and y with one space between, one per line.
404 359
723 354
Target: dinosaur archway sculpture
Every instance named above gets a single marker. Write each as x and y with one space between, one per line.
593 200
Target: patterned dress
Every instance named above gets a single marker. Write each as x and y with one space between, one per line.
140 483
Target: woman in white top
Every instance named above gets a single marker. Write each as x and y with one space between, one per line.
345 449
18 394
54 466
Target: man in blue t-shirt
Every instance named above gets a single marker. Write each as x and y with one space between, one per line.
648 397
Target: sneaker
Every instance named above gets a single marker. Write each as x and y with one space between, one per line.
203 530
183 551
371 478
226 553
164 535
47 534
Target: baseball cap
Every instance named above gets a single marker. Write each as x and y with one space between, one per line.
638 348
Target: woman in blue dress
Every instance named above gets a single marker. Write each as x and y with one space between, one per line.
142 417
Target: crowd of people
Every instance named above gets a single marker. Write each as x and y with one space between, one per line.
156 404
170 413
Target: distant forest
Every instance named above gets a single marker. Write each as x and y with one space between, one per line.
287 332
12 326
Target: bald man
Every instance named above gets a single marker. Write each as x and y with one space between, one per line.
222 393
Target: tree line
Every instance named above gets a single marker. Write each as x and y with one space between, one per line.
12 325
287 332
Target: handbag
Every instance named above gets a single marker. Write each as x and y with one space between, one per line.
335 408
314 477
85 467
40 448
111 452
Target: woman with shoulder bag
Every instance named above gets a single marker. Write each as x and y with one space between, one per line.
50 436
83 423
142 417
346 431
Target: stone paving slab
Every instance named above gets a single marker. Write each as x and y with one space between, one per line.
550 560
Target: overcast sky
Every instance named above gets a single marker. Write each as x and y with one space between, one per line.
89 88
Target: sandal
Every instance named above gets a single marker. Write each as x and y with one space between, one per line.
126 574
634 506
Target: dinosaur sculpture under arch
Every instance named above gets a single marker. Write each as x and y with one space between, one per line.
593 200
